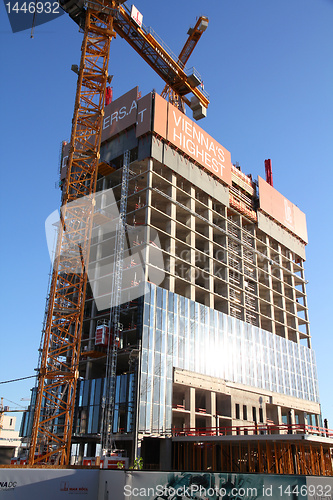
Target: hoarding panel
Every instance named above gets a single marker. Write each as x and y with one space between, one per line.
112 485
53 484
160 116
172 125
143 121
281 209
300 223
319 487
120 114
213 486
196 143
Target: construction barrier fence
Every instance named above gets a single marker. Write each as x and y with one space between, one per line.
96 484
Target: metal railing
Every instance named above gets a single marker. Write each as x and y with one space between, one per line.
256 429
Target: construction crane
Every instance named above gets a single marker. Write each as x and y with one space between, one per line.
59 361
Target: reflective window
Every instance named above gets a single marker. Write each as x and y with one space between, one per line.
193 337
85 393
98 391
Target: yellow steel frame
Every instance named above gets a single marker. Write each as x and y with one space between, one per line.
58 373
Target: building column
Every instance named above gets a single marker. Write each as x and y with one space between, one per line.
192 407
279 415
137 448
292 420
270 284
165 454
149 196
303 418
210 254
294 304
212 408
306 310
81 454
91 342
172 232
191 241
283 298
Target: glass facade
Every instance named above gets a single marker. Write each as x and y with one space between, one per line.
89 407
28 416
181 333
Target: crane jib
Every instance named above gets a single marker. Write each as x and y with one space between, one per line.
169 67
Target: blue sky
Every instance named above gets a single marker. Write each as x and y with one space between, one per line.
268 68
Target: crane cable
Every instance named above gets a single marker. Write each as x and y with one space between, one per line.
17 379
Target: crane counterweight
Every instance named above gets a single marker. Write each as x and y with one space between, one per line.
75 9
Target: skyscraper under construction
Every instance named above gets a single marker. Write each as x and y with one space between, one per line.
213 366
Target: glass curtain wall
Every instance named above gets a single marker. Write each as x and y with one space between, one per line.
181 333
89 407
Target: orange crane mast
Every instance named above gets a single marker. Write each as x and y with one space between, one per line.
61 347
58 371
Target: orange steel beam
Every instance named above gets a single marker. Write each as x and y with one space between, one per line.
58 371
